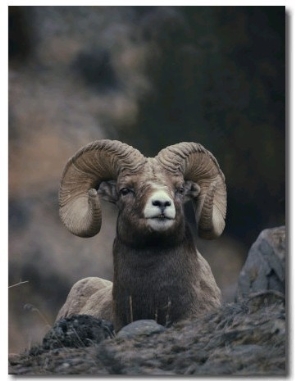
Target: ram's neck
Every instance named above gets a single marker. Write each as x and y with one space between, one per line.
144 281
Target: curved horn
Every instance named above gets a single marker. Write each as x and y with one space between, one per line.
79 203
197 164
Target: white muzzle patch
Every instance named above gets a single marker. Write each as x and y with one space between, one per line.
160 210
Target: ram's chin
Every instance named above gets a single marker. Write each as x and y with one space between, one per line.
160 224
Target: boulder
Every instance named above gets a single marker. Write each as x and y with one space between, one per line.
264 268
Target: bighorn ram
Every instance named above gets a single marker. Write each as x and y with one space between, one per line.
158 272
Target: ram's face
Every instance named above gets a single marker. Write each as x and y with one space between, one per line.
159 209
149 202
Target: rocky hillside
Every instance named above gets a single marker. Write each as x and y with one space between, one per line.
244 338
241 339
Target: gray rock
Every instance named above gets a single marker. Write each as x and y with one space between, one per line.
264 268
75 332
138 327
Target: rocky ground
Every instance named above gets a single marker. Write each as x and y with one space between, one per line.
244 338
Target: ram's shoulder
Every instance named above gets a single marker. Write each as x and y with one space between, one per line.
207 288
83 294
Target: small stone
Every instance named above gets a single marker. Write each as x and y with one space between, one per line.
140 327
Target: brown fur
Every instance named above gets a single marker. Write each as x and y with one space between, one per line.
166 283
91 296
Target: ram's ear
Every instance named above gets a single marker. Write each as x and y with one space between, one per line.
192 190
107 190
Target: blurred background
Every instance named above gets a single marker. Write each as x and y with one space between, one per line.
151 77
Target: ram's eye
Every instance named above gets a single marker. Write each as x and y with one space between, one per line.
180 190
125 191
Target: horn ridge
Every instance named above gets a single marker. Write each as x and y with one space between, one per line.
198 164
80 208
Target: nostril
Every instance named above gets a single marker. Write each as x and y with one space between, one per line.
156 203
161 204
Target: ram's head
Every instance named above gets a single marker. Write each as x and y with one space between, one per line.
149 192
